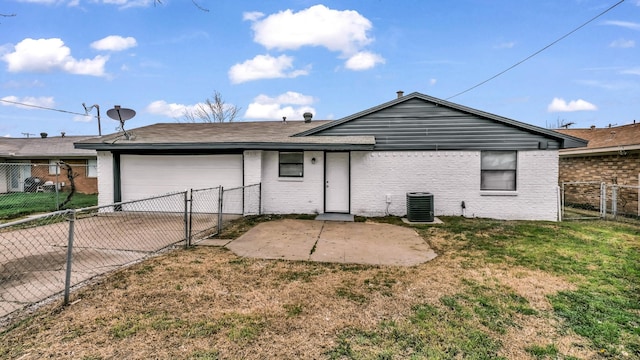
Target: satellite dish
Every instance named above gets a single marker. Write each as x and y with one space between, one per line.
120 114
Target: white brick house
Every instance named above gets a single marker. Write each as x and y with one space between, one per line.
363 164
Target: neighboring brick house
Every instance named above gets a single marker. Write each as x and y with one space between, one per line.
23 159
612 156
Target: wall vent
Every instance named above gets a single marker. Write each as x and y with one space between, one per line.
420 207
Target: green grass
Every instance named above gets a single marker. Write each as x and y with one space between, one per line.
461 326
15 205
601 258
430 332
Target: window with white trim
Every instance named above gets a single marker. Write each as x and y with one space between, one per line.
54 168
291 164
498 170
92 168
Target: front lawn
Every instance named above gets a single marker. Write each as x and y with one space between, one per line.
15 205
497 290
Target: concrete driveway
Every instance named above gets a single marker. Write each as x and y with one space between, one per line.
329 241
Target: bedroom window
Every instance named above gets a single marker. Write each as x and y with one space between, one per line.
498 170
291 164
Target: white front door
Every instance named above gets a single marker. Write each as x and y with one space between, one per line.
336 187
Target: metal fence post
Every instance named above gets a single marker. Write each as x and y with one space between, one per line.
187 220
259 198
562 201
220 196
67 280
603 201
56 187
614 201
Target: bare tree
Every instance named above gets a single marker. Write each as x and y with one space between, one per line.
213 110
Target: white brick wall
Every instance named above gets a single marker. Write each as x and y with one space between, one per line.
293 195
453 177
105 178
252 171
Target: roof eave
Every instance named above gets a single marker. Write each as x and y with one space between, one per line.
224 146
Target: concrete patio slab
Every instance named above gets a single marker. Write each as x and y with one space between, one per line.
212 242
435 221
335 217
328 241
283 239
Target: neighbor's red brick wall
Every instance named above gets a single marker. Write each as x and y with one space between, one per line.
84 184
609 169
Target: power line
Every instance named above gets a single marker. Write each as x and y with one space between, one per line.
42 107
537 52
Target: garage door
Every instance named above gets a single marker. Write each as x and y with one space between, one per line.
149 175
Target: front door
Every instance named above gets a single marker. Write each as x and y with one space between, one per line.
336 187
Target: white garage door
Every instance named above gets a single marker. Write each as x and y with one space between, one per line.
150 175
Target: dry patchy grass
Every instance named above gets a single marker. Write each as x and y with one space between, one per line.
207 303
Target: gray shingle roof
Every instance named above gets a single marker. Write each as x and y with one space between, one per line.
233 135
50 147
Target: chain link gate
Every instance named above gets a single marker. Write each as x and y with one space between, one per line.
582 200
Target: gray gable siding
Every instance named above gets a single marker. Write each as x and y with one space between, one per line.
416 124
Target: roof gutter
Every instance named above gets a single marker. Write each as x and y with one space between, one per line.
223 146
597 151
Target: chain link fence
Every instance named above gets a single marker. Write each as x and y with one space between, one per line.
598 200
205 210
44 256
45 187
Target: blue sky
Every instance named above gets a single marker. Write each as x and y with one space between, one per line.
333 58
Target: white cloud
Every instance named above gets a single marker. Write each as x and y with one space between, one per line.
622 43
39 1
343 31
265 67
363 61
252 16
433 81
265 107
46 55
506 45
631 71
625 24
114 43
43 101
84 119
560 105
161 107
124 4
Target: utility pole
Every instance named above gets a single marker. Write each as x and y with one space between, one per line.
86 111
